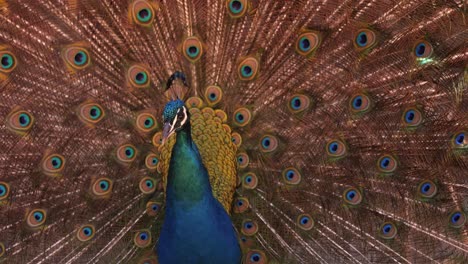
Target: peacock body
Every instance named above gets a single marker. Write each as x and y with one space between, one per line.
291 131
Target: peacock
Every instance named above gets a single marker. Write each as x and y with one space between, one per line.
233 131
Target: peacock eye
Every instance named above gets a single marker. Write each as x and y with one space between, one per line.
249 180
388 231
76 57
142 239
4 190
7 61
248 69
255 256
241 204
336 148
305 222
142 12
20 121
360 103
387 163
126 153
427 189
53 165
307 43
236 8
102 187
36 218
459 140
268 143
192 49
457 219
249 227
138 76
412 117
365 39
85 233
291 176
242 117
152 208
242 160
145 122
422 49
352 196
90 113
147 185
213 95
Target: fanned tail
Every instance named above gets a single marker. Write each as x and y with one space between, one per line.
349 118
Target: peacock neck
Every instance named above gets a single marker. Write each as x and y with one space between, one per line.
188 179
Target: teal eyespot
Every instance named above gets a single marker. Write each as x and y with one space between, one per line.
102 187
85 233
36 218
147 185
236 8
126 153
142 239
7 61
80 58
305 222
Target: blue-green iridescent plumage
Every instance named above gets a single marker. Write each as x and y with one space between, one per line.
192 209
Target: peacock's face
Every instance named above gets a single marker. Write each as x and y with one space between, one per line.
175 117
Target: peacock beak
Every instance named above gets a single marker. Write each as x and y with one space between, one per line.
168 130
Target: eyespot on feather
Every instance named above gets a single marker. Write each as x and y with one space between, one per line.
36 218
213 94
460 140
249 227
19 121
268 143
242 160
365 39
85 233
305 222
352 196
298 103
359 103
146 122
291 176
457 219
90 113
249 180
307 43
126 153
147 185
388 230
76 57
387 163
412 117
336 148
255 257
142 12
4 191
237 8
153 208
157 139
152 161
142 239
236 139
192 49
422 49
248 69
242 117
7 61
241 204
102 187
427 189
194 102
138 76
2 249
52 165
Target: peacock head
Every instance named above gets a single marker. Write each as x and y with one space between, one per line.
175 118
